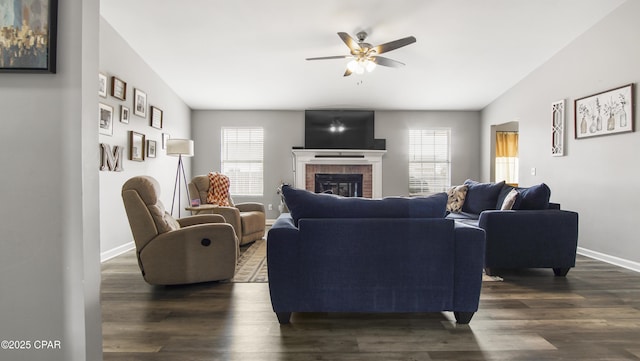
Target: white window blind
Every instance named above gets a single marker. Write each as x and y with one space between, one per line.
242 160
429 161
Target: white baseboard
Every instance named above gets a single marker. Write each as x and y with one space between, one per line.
624 263
107 255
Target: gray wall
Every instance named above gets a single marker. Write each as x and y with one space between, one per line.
285 129
596 177
49 229
282 130
118 59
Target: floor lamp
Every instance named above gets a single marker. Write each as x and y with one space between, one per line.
179 148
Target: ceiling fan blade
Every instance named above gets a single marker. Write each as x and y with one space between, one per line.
351 43
331 57
386 62
392 45
347 72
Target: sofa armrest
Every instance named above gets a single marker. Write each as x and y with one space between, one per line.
250 207
530 238
283 253
200 219
469 262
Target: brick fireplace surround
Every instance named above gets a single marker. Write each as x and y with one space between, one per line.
308 162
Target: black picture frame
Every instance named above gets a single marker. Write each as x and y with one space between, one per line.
42 58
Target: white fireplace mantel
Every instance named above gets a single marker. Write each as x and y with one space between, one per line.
302 157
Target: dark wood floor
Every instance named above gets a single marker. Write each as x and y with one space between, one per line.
592 314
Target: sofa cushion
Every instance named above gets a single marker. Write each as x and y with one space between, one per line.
531 198
305 204
534 198
456 195
481 196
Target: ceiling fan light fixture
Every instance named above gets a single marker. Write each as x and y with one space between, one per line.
370 65
353 66
365 56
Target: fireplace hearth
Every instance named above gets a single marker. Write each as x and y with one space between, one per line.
346 185
368 163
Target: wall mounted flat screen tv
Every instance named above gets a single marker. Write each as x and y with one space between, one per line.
339 129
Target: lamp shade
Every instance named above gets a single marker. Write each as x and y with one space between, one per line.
178 147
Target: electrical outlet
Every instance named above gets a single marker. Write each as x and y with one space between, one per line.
270 207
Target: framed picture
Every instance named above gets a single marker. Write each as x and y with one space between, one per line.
151 148
139 103
136 146
609 112
557 128
105 119
156 117
165 137
31 26
118 88
102 85
124 114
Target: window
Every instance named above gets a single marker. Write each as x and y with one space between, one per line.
429 161
507 157
242 160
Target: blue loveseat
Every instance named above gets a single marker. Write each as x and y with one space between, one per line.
336 254
529 233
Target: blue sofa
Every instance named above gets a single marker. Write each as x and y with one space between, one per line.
336 254
534 233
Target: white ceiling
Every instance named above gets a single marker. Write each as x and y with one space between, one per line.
250 54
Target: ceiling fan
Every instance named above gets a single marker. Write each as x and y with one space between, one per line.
366 56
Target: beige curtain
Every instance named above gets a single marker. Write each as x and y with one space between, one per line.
507 157
506 144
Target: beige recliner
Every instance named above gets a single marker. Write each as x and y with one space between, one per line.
248 218
177 251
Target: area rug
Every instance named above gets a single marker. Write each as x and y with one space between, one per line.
252 265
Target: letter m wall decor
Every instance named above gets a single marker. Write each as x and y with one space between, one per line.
111 161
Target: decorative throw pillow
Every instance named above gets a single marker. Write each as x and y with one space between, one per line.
218 189
456 195
509 200
535 197
481 196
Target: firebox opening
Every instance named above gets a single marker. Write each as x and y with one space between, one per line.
346 185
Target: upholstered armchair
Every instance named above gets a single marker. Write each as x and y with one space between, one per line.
248 219
173 251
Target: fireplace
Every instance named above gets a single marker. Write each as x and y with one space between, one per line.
346 185
368 163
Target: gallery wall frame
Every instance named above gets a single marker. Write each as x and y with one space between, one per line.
34 28
124 114
165 137
118 88
557 128
105 119
139 103
156 117
605 113
102 84
151 148
136 146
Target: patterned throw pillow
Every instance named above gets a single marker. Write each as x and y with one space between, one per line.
456 195
218 189
509 200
